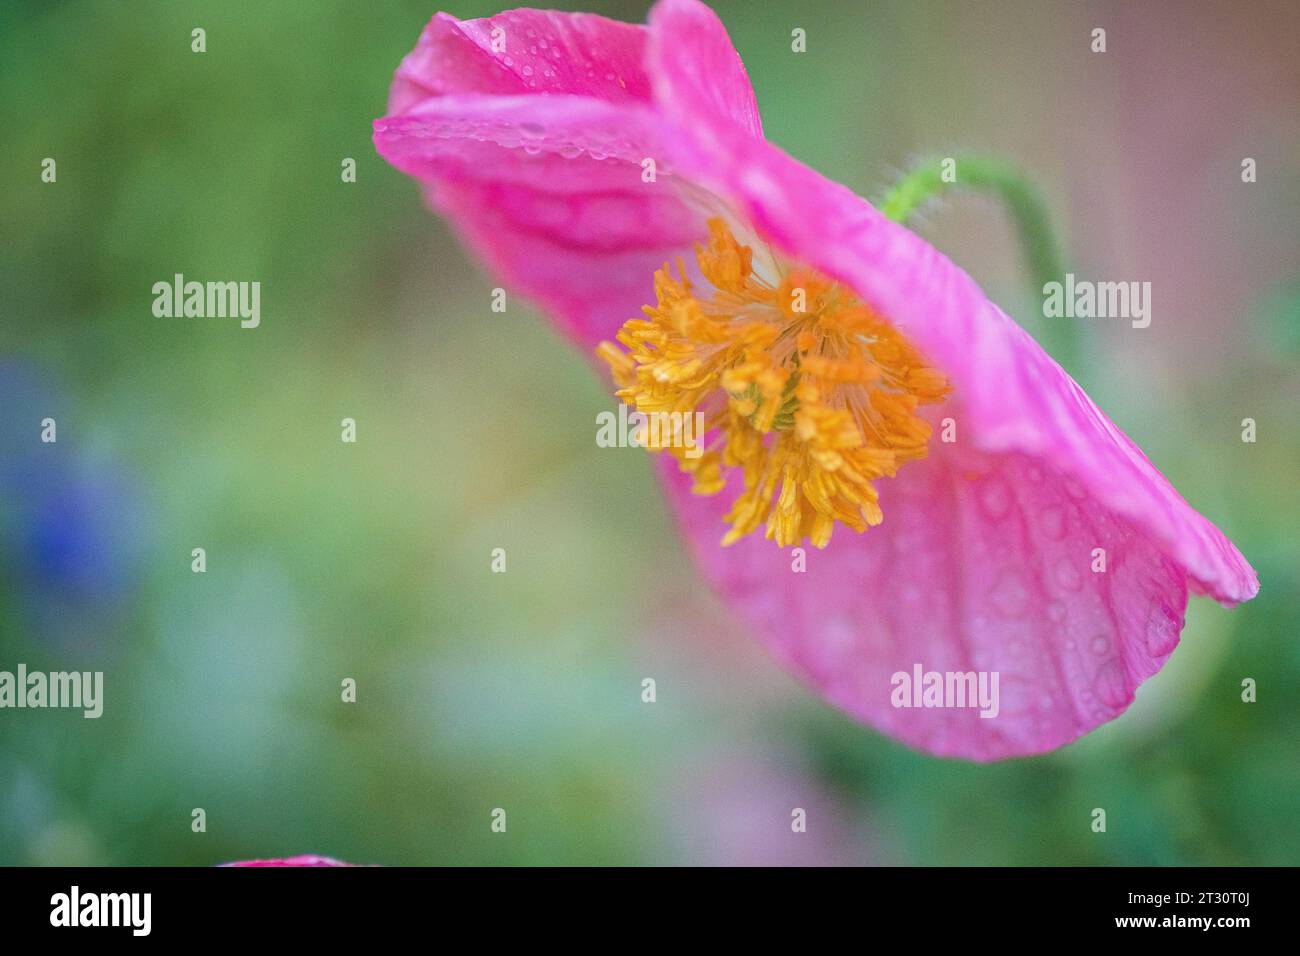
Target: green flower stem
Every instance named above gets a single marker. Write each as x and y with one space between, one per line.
1027 209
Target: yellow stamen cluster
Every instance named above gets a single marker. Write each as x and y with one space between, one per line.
802 386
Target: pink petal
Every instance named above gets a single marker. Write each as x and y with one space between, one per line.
697 73
983 563
545 52
548 191
305 860
546 188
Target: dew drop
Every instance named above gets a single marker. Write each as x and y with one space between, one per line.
1010 596
837 637
1052 522
1110 685
995 497
1068 576
1162 632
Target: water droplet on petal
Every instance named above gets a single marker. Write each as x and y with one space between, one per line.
1010 596
1162 632
1067 575
1051 521
1110 684
995 497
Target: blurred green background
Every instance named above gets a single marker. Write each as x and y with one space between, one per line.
371 561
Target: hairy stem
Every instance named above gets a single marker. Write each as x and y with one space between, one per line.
1026 207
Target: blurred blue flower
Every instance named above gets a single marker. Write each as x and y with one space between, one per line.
71 525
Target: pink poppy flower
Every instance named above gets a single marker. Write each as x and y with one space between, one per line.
848 374
304 860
